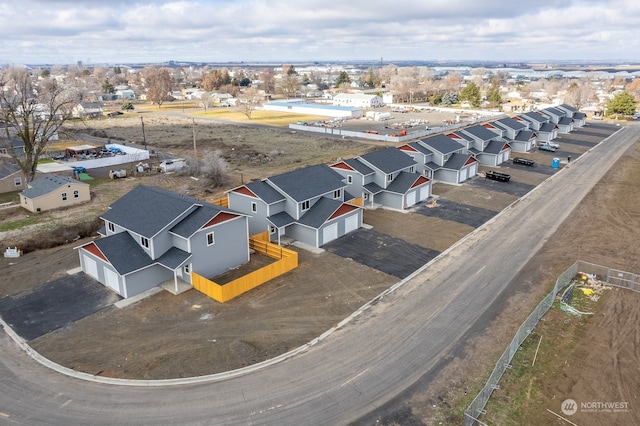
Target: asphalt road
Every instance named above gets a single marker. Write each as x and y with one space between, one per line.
353 371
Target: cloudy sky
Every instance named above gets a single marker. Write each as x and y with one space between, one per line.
130 31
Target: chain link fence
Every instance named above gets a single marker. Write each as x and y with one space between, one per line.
612 277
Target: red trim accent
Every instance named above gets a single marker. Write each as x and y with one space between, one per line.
454 136
420 181
518 119
219 218
342 165
489 126
407 148
245 191
343 209
94 250
471 160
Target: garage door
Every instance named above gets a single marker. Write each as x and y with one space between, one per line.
411 198
351 224
91 267
424 193
329 233
463 174
111 279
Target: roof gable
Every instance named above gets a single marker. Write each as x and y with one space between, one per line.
442 144
388 160
308 182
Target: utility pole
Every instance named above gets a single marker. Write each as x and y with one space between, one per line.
144 138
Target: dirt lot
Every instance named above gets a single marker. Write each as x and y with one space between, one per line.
176 336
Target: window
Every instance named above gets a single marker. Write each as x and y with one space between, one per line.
17 181
254 207
144 241
76 194
337 193
272 229
111 227
349 179
210 239
64 196
412 169
304 205
187 269
389 177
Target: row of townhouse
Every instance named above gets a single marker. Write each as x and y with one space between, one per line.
153 236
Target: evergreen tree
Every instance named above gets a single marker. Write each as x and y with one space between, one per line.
623 103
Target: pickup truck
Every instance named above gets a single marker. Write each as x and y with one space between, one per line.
502 177
523 161
546 147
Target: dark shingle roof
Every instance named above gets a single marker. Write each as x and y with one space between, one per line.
510 123
320 212
420 148
402 183
265 191
48 183
7 167
547 127
534 116
147 210
123 253
565 121
373 188
554 111
196 220
569 108
441 143
480 132
456 161
309 182
524 135
388 160
495 147
281 219
173 258
359 166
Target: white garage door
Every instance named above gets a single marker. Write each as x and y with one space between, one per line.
330 233
111 279
351 224
411 198
463 174
91 267
424 193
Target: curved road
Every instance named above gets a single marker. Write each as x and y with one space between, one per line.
353 371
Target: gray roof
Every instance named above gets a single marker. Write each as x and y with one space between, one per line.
432 166
441 143
359 166
123 252
147 210
173 258
7 167
373 188
535 116
565 121
568 107
495 147
281 219
196 220
524 135
403 182
548 127
388 160
320 212
265 192
553 111
420 148
308 182
48 183
510 123
480 132
456 161
579 115
463 135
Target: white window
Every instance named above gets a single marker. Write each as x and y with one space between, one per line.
304 205
210 239
64 196
144 241
272 229
412 169
76 194
111 227
365 196
389 177
254 207
17 181
337 193
349 179
187 269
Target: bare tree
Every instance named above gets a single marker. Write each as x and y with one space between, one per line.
214 167
580 93
158 84
248 101
290 85
267 76
32 112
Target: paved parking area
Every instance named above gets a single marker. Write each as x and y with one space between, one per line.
457 212
55 305
512 187
382 252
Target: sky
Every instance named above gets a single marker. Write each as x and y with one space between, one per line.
131 31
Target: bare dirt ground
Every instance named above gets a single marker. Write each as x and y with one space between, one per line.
177 336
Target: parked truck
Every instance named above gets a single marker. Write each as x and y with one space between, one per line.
502 177
523 161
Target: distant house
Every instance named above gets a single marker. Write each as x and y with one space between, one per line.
54 192
579 118
153 236
12 177
87 110
386 177
485 145
358 100
545 130
515 132
309 205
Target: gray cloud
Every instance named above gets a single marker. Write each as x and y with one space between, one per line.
39 31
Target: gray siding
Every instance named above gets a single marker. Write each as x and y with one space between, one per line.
229 250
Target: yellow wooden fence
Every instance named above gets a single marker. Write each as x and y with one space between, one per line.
223 202
287 260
